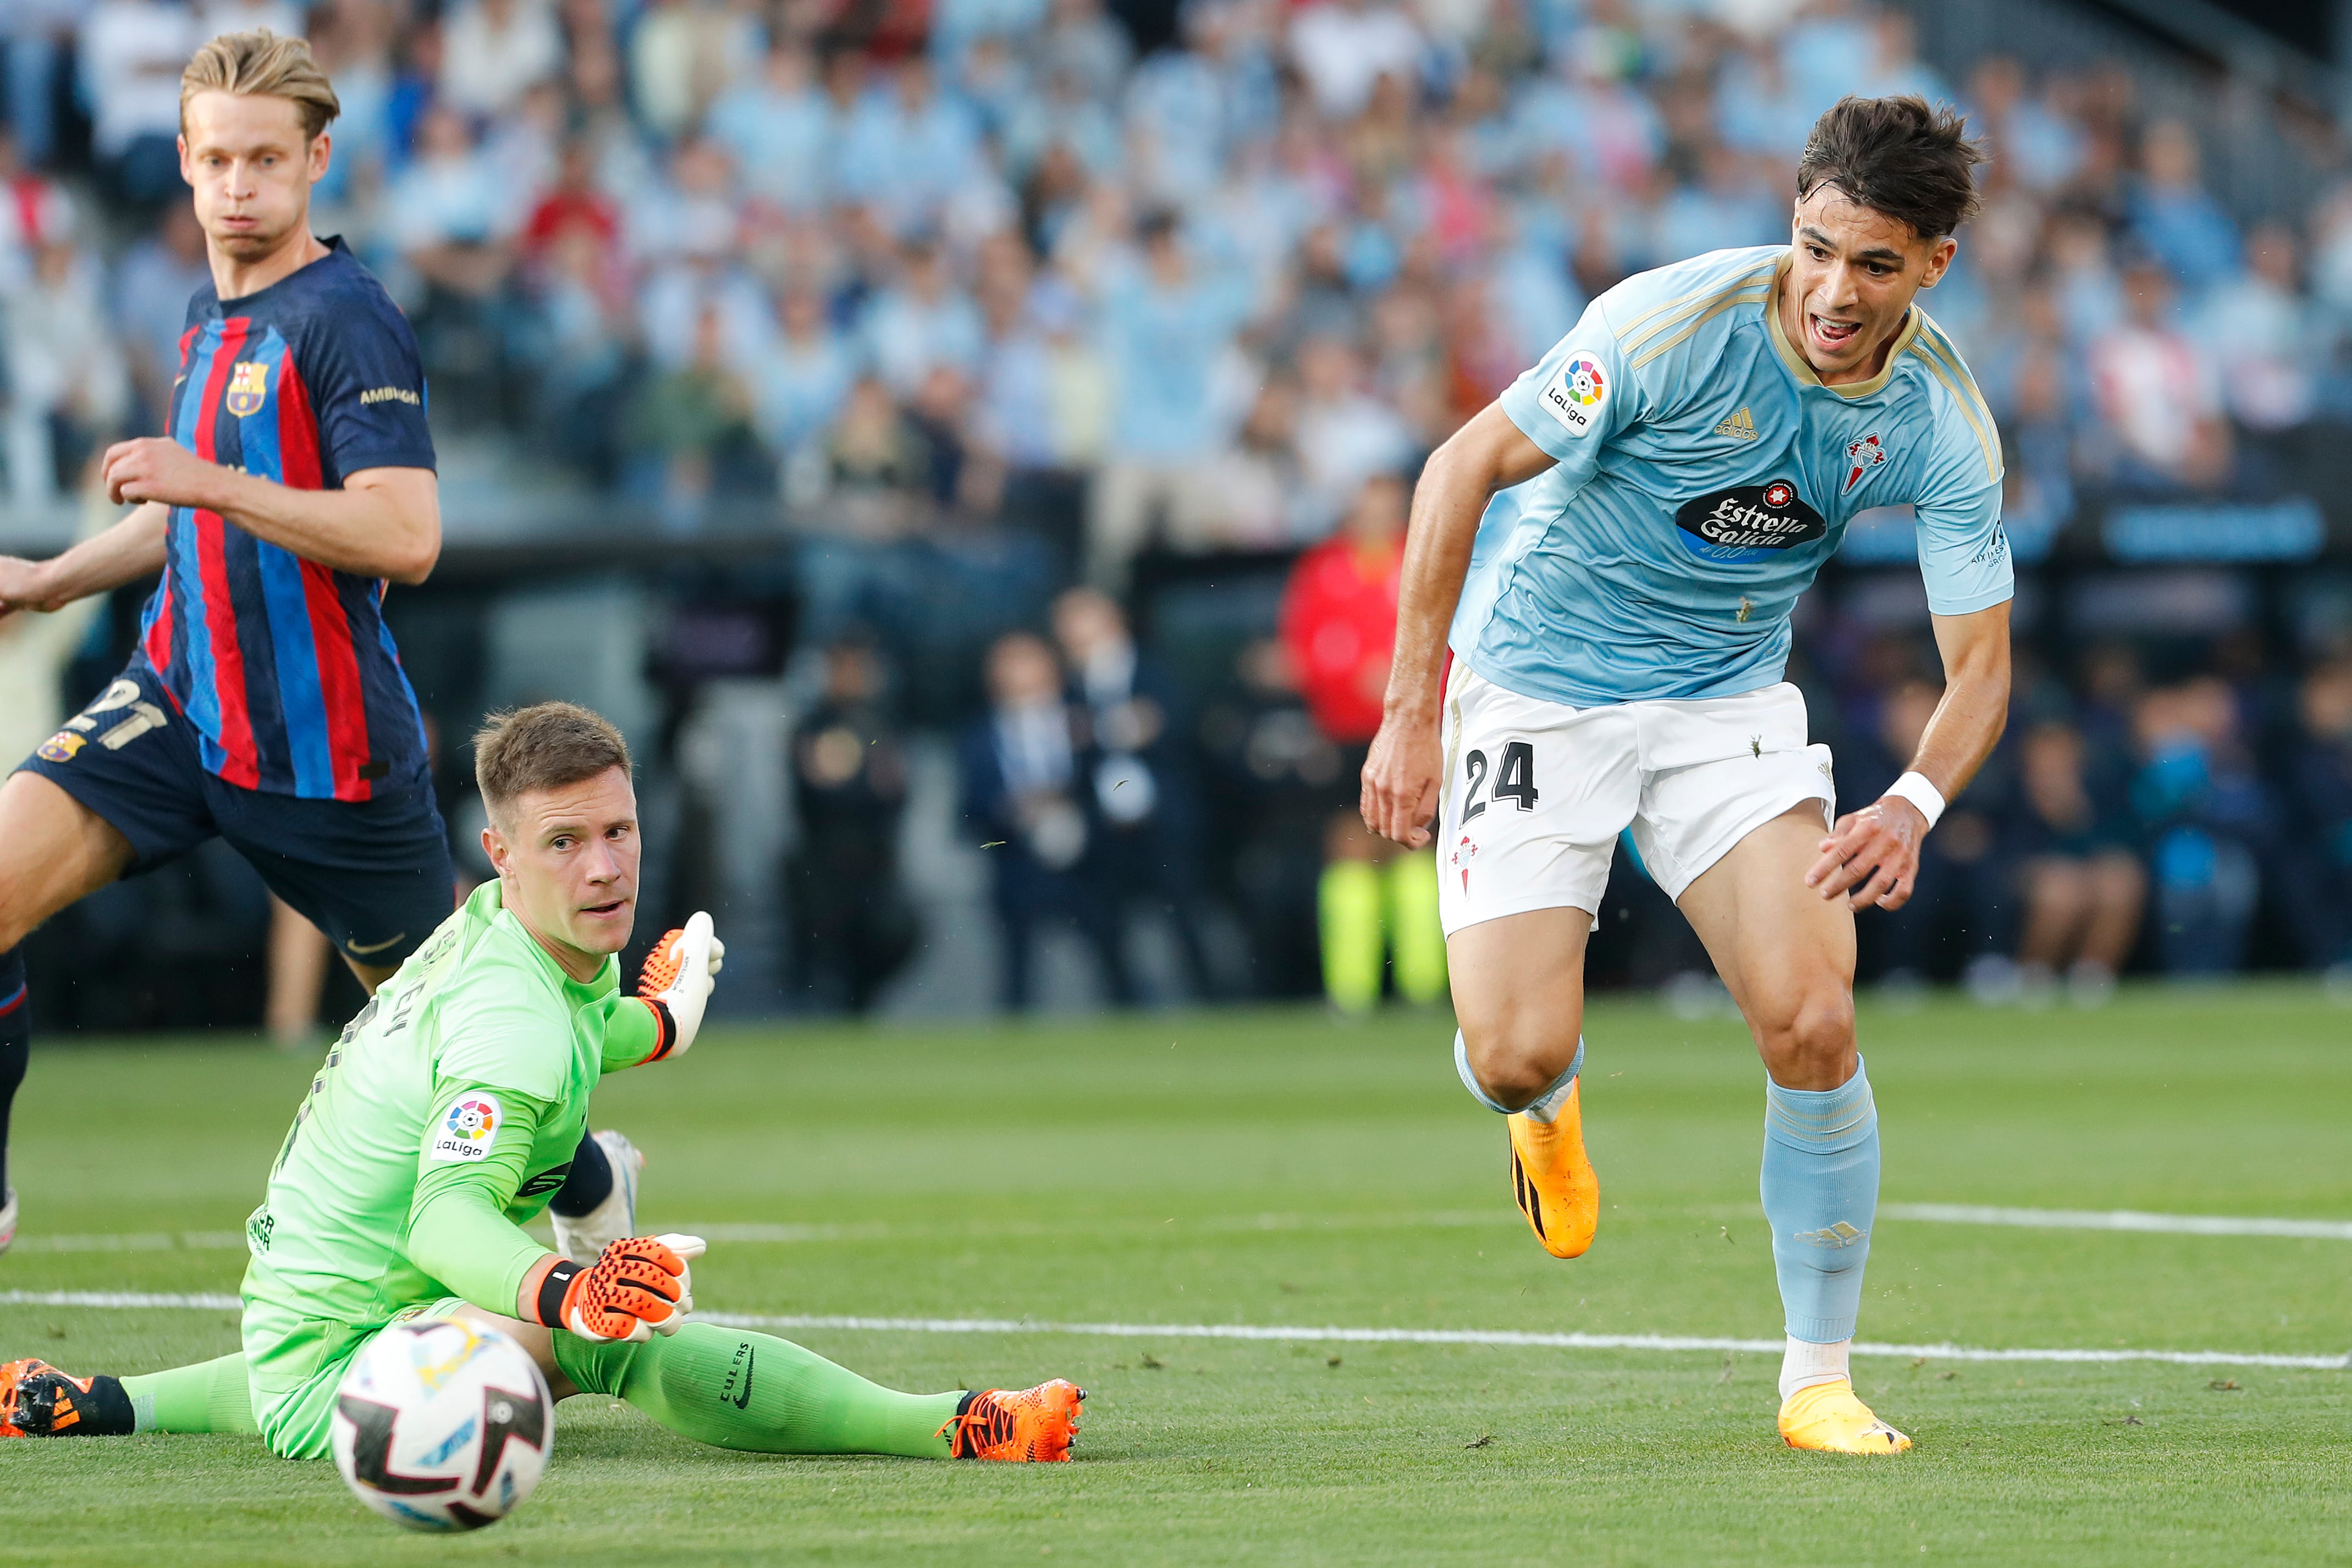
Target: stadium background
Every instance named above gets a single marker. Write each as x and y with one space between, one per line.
786 356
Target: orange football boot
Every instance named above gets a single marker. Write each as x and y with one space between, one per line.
1551 1180
36 1400
1831 1419
1017 1424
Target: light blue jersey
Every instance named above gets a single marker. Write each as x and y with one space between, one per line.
1704 473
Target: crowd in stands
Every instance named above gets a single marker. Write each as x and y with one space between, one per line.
899 276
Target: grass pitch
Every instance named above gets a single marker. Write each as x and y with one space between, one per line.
1275 1168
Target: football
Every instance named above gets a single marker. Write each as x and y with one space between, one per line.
442 1424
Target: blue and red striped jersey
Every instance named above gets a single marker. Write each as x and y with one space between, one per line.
284 666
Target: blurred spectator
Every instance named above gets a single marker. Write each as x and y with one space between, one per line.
692 427
805 375
683 53
1338 628
1343 48
35 211
778 127
1345 436
2082 886
1167 331
35 36
1148 848
2267 335
852 927
923 320
68 387
2163 410
132 52
2173 215
2204 816
153 285
2316 858
1025 795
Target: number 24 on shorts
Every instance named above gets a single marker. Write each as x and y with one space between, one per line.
1515 780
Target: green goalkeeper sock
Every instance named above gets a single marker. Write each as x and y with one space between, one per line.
1349 901
1415 932
210 1396
735 1389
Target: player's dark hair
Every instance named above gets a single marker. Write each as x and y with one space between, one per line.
1898 156
547 745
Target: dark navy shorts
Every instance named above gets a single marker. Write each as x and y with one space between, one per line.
374 876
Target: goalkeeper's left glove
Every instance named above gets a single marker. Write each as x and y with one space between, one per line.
677 982
639 1288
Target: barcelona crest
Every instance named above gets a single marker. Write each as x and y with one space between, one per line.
248 388
60 747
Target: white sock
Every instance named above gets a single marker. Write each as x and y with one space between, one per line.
1554 1100
1804 1365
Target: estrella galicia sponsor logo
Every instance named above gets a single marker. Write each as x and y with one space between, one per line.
746 1358
1745 520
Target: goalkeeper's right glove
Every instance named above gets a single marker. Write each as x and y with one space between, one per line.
677 982
639 1288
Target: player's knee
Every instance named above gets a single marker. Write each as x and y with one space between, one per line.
1806 1041
1514 1063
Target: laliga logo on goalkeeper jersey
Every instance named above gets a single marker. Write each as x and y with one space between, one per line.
467 1129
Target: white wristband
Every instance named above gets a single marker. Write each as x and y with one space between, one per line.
1914 788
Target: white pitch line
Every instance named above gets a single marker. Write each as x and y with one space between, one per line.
2119 1219
1503 1337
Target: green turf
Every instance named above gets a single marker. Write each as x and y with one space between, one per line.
1120 1172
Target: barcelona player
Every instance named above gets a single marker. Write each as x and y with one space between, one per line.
264 703
1675 471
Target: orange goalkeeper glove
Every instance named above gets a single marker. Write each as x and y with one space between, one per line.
637 1289
677 982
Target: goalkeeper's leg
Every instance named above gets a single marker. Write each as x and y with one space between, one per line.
736 1388
36 1400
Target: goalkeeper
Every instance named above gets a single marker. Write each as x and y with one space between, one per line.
445 1119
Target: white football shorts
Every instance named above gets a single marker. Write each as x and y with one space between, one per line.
1535 792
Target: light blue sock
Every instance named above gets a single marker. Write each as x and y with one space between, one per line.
1546 1105
1820 1195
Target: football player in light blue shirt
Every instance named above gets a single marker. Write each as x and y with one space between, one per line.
1671 476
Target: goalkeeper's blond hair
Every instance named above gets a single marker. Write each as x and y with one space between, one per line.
261 64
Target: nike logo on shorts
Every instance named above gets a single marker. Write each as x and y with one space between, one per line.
361 950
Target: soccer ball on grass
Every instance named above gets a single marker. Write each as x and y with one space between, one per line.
442 1424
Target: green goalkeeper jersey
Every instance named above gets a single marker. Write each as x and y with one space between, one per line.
442 1121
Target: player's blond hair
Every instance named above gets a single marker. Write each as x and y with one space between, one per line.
261 64
547 745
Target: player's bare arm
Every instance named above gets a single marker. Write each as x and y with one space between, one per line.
126 552
384 522
1401 775
1872 856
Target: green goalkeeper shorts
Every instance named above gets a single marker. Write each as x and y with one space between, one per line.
295 1365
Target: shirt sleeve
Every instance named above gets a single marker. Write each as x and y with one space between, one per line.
634 1033
477 1148
1577 396
367 389
493 1031
1963 550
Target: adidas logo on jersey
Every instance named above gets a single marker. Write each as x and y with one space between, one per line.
1739 426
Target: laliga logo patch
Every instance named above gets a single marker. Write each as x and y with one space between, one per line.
1576 393
248 388
467 1129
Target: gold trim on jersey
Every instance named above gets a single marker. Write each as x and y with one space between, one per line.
1707 303
1756 295
1804 372
1943 361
